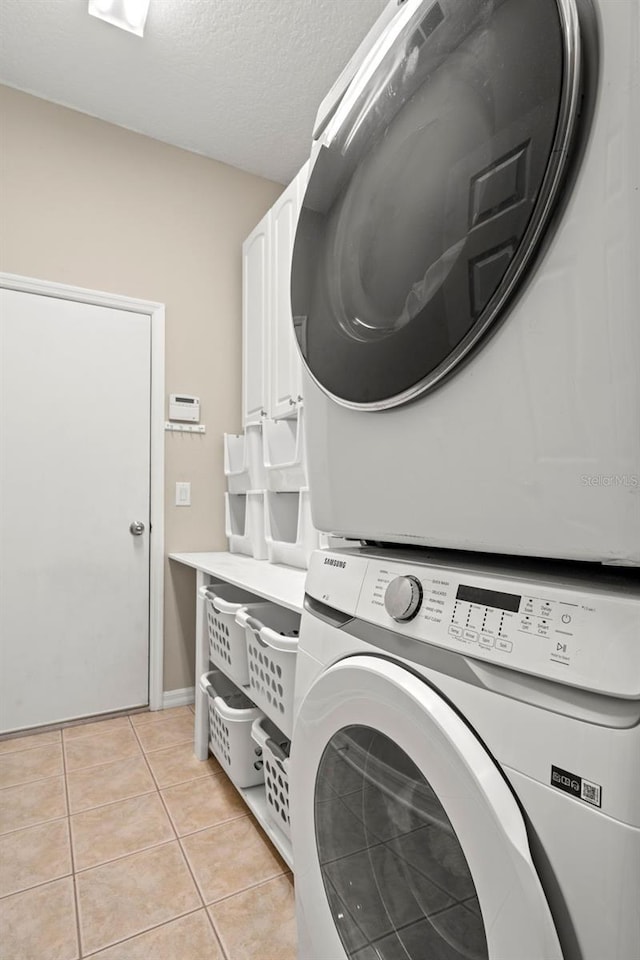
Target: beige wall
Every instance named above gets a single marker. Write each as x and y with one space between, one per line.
86 203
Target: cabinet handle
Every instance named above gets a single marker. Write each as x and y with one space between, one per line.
292 402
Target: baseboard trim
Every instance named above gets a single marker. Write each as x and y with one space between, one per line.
178 698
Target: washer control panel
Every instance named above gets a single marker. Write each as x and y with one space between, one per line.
587 636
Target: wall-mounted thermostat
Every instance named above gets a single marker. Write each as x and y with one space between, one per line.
184 407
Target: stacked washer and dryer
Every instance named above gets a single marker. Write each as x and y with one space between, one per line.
465 768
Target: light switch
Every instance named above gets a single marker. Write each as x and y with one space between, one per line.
183 494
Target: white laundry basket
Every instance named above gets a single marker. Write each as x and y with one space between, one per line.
244 523
275 749
227 640
231 716
284 453
272 644
290 535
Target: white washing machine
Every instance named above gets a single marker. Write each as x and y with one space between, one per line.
465 773
465 282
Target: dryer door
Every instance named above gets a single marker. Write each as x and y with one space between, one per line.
430 189
407 840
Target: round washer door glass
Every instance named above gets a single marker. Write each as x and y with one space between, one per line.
395 875
430 189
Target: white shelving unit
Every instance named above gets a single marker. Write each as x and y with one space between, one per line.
255 799
280 584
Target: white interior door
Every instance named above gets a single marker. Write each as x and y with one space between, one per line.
75 385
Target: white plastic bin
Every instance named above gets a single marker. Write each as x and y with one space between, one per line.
290 535
275 753
227 640
236 468
272 644
284 453
231 716
244 523
243 460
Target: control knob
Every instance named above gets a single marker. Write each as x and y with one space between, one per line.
403 597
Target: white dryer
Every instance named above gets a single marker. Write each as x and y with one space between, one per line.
465 282
464 770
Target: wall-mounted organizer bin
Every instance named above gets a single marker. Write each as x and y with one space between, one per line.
289 532
275 752
227 639
243 460
244 523
272 644
231 716
236 468
284 453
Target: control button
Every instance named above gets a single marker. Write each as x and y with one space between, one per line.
485 641
455 631
566 618
504 645
403 597
469 635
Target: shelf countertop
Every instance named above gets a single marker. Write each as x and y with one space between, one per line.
273 581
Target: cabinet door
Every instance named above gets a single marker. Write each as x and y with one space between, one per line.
283 355
301 181
255 320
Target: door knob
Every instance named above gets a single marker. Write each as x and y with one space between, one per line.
136 528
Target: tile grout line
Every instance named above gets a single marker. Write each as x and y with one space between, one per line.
117 943
76 903
5 754
184 856
178 743
56 776
25 783
110 803
35 886
251 886
219 939
123 856
61 743
38 823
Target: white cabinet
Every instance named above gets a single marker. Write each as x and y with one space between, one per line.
255 312
271 364
283 361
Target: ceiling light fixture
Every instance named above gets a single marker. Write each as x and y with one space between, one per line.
128 14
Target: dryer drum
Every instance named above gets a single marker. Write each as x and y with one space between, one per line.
430 192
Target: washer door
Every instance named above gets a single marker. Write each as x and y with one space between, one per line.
407 841
430 189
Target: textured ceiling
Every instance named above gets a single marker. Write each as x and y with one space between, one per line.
237 80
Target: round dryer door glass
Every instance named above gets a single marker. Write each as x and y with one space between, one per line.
395 875
430 190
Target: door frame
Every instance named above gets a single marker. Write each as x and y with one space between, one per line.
155 311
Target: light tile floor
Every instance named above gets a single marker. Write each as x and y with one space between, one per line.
116 843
